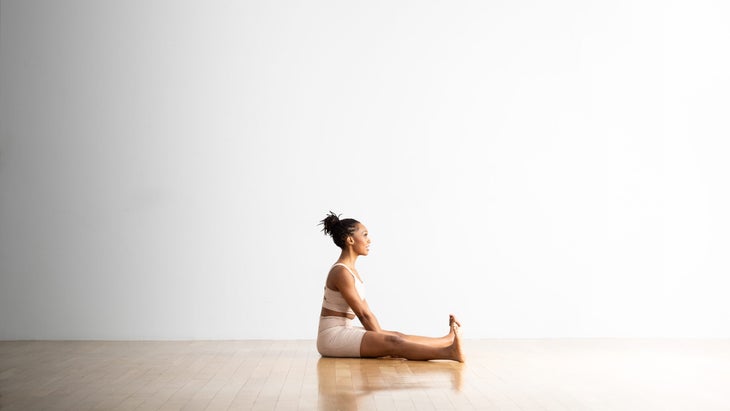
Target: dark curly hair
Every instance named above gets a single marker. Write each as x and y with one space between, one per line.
338 229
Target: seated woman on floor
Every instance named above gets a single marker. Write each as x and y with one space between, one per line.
344 299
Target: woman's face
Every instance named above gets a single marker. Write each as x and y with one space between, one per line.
360 240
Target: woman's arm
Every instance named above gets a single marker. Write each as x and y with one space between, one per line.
368 319
345 284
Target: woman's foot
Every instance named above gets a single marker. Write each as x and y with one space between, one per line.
456 353
452 321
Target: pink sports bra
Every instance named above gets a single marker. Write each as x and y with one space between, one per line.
333 300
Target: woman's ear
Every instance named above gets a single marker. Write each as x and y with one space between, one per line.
350 240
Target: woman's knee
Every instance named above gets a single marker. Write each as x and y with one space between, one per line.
395 339
380 344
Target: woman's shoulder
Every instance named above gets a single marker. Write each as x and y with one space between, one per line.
340 272
339 268
345 267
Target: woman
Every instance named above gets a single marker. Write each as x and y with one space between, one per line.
344 299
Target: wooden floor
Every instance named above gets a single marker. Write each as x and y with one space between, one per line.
561 374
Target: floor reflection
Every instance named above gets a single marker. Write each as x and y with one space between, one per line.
345 382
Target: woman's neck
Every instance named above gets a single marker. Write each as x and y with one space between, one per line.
348 257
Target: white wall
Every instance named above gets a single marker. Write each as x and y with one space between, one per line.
542 169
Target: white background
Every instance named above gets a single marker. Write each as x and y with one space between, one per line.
542 169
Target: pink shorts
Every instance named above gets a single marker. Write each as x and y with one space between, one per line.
339 338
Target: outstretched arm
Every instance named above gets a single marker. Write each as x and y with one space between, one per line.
368 319
346 286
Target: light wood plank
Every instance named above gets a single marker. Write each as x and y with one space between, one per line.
561 374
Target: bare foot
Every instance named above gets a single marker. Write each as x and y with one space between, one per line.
452 321
456 353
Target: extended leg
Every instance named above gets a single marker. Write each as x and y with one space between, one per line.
376 344
444 341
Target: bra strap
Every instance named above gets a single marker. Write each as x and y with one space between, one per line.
348 269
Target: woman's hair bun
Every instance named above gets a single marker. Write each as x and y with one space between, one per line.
329 223
338 229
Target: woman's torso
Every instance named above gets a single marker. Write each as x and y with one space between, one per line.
333 303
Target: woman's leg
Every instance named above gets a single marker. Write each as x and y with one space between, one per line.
376 344
444 341
434 341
